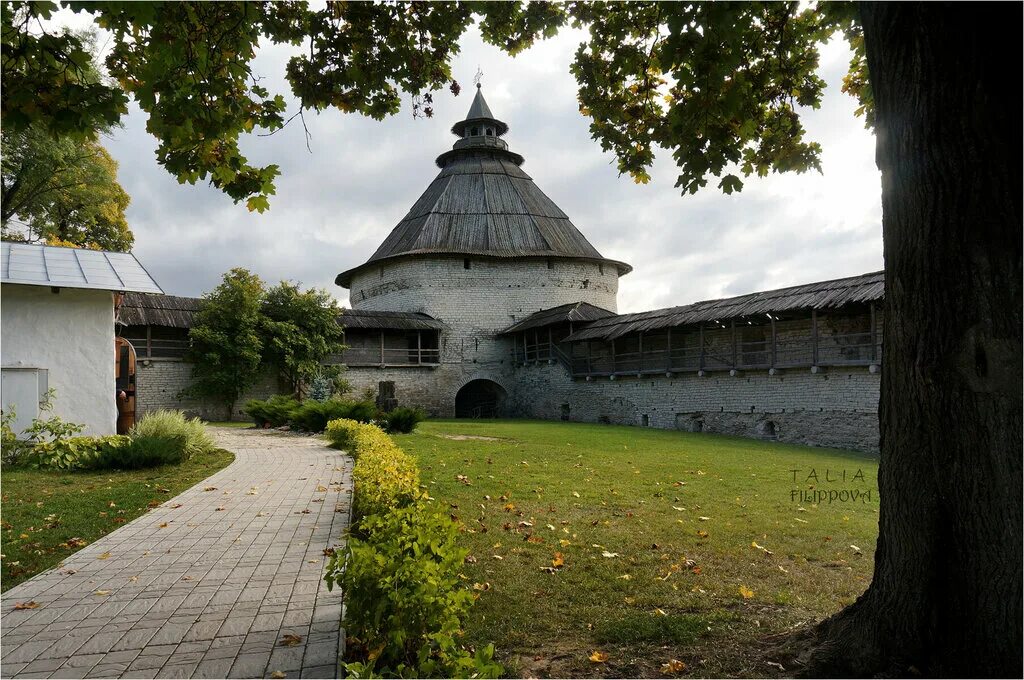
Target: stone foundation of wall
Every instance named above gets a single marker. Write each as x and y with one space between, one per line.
837 408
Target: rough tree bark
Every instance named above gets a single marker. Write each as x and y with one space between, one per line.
946 595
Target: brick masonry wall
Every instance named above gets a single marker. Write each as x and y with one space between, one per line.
158 385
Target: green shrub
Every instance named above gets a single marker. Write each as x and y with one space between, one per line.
145 451
313 416
400 572
169 424
364 411
74 453
403 420
404 600
273 412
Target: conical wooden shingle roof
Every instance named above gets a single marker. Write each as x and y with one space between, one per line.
483 204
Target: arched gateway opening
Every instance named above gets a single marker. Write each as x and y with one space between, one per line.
480 399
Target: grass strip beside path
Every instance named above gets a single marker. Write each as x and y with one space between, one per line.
645 545
42 512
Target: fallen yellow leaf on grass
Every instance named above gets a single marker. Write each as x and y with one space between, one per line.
609 554
482 587
32 604
598 657
558 561
746 592
625 577
576 494
702 534
766 551
290 640
673 666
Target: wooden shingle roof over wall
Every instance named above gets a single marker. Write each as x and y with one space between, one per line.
172 311
367 320
821 295
574 312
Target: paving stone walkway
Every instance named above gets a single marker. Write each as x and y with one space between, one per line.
206 585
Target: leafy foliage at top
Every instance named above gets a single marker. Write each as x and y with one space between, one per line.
717 84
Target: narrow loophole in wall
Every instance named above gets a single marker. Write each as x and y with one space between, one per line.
466 263
565 412
645 420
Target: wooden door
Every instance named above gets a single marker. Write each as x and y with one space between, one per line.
124 389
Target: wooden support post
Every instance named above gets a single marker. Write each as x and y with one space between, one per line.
551 345
590 351
668 350
734 356
613 355
640 337
814 337
700 355
419 347
382 347
149 341
874 336
774 343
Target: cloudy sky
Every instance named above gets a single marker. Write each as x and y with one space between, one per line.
337 202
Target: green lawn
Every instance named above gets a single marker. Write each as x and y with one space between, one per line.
43 513
675 545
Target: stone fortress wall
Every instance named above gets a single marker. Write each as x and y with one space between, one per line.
476 304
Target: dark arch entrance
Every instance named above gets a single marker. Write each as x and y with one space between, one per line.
480 399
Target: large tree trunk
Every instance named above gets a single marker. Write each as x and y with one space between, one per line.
946 594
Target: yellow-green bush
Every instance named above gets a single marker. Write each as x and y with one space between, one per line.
400 571
341 433
385 476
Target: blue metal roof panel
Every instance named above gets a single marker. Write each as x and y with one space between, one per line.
38 265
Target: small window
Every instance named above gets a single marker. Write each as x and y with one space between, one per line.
474 132
466 263
551 264
490 132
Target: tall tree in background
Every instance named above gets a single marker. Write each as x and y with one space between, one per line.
300 330
225 344
62 190
720 86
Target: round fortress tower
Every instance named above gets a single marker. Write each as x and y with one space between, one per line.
481 249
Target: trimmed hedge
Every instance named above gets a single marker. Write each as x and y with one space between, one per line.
404 600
